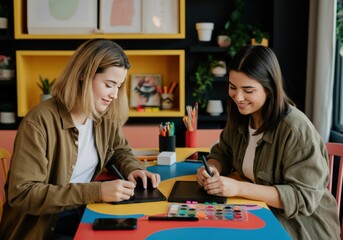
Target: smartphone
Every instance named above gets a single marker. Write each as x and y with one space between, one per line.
115 224
196 157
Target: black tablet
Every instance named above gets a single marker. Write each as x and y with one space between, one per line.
184 191
196 156
144 195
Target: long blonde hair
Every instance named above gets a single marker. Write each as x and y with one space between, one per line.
74 86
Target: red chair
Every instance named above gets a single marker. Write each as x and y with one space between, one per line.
335 151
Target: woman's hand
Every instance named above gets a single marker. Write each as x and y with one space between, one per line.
144 175
116 190
202 174
222 186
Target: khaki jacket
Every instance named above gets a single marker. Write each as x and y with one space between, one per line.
45 153
293 158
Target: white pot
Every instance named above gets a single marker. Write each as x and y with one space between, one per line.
3 23
204 31
219 71
223 41
7 117
214 107
44 97
6 74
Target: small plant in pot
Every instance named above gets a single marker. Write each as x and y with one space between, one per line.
6 68
45 85
223 39
204 79
258 36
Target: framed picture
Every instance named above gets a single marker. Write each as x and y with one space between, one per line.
120 16
61 16
144 90
160 16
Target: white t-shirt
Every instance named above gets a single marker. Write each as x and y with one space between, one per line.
87 158
249 157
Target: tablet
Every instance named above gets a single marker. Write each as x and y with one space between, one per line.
196 156
141 195
184 191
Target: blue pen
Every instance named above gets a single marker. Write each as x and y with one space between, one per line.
208 170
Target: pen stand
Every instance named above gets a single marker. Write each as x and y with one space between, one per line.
167 143
191 139
167 100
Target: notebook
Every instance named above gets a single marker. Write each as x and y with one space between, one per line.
184 191
144 195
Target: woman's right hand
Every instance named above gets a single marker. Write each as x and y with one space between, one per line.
202 174
116 190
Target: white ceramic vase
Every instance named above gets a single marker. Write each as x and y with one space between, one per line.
219 71
7 117
214 107
3 23
6 74
204 30
44 97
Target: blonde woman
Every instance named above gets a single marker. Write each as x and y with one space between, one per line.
63 144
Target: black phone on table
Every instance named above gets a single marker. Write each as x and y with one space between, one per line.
196 157
115 223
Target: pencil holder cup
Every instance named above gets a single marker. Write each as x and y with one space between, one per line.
167 143
167 100
191 139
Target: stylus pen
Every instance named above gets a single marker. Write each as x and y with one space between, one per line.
113 168
165 218
208 170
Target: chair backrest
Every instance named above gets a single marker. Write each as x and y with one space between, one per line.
4 156
335 151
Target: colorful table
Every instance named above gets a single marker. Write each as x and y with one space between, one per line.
261 223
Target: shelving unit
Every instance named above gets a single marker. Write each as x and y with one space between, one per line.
49 64
199 53
20 28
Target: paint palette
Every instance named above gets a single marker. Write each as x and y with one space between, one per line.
208 211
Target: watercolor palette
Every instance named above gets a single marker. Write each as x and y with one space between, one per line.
208 211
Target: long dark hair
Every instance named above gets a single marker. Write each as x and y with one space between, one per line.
261 64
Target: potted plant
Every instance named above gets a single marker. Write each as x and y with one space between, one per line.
242 33
6 68
45 85
204 79
237 30
258 36
223 39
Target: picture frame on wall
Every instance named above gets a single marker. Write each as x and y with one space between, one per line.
144 90
160 16
120 16
61 16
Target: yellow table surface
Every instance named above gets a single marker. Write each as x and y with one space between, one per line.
165 187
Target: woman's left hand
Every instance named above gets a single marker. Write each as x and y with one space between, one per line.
222 186
155 178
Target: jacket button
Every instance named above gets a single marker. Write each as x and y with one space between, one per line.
76 143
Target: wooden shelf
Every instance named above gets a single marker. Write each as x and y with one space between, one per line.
20 28
169 63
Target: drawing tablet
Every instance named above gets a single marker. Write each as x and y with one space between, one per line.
144 195
184 191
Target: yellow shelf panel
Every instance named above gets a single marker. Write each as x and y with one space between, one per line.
20 28
49 64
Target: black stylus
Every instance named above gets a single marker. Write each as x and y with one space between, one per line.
208 170
165 218
115 170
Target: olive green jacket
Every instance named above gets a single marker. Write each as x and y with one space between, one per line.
45 153
293 158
